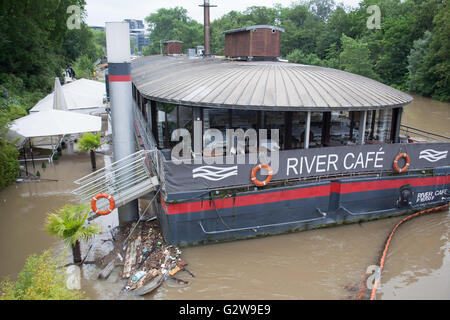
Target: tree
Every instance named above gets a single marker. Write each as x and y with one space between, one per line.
68 224
355 57
322 8
437 59
416 66
90 142
298 56
40 279
83 42
173 24
84 67
31 39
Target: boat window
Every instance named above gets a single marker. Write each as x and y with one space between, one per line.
167 122
381 132
218 119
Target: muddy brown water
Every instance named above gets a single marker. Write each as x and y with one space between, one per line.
318 264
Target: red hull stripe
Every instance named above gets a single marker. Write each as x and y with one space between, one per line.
123 78
250 200
301 193
387 184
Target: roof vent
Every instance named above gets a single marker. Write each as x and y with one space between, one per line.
260 42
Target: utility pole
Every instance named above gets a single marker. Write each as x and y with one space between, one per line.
207 29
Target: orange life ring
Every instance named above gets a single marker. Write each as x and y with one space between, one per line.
112 204
407 159
256 169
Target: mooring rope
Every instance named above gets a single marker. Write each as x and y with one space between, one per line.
386 248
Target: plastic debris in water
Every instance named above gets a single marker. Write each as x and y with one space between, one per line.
138 276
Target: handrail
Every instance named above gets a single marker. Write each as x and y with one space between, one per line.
119 179
422 131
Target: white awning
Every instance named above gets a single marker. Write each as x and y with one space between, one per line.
80 95
54 123
59 101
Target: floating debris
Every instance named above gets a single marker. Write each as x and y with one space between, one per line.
146 259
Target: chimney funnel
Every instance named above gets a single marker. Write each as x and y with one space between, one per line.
207 22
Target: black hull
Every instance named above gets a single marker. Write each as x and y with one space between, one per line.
209 217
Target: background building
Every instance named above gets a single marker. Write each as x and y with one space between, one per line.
138 35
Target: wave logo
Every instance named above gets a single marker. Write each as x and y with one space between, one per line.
214 173
433 155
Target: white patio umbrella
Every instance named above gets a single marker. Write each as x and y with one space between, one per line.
59 102
52 123
82 96
55 123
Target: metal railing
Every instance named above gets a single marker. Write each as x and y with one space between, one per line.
429 136
125 180
155 163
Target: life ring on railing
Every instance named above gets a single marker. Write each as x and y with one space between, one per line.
256 169
112 204
407 159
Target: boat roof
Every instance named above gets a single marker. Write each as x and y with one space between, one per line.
259 85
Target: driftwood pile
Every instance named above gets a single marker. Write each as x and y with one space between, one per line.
146 259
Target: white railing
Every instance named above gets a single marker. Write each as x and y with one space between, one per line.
125 180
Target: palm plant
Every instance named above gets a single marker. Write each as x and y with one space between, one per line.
90 142
68 223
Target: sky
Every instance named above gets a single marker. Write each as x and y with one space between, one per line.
101 11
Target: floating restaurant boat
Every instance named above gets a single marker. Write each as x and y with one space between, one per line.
249 145
341 155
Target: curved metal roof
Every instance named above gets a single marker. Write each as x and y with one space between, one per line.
220 83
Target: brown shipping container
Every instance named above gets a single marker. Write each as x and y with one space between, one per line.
173 47
253 42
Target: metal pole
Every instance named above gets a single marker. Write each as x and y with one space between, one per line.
119 65
25 157
31 151
308 129
362 126
207 29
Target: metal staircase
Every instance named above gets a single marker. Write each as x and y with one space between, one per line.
125 180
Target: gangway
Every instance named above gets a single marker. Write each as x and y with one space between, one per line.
125 180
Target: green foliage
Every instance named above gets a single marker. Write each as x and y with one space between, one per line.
355 57
173 24
35 47
437 59
417 73
68 224
298 56
89 141
84 67
84 42
40 279
9 165
31 40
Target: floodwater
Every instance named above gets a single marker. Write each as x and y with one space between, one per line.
319 264
427 114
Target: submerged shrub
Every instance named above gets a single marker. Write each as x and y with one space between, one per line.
40 279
